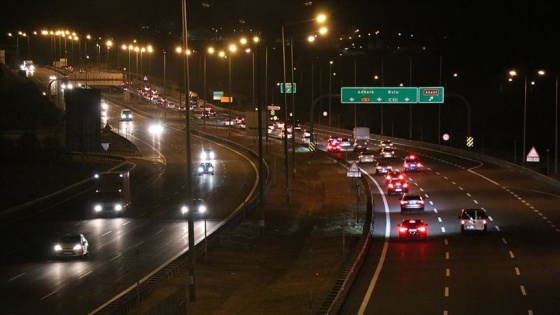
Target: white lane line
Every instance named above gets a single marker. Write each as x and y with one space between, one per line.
446 294
116 257
444 312
442 229
446 242
421 189
461 188
445 177
447 272
517 272
468 194
14 278
46 296
85 274
435 210
381 261
523 292
447 255
139 244
511 254
504 240
106 233
490 218
453 183
431 203
439 219
158 232
497 228
127 222
530 312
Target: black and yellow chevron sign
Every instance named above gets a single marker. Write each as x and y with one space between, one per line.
311 146
470 142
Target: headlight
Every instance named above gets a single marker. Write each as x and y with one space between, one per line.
203 156
212 155
98 208
201 209
184 209
210 168
200 169
77 247
118 207
57 247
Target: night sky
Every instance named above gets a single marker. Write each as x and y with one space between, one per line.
480 40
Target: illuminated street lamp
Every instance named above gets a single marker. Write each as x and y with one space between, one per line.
512 74
109 44
210 51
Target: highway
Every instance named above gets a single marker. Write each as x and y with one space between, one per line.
511 269
124 250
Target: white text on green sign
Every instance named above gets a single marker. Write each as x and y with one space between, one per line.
396 95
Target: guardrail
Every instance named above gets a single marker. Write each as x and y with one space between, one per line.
129 299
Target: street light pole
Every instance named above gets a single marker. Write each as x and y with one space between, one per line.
293 110
330 90
164 73
286 166
556 131
524 121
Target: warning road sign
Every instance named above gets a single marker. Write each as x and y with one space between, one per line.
353 171
533 156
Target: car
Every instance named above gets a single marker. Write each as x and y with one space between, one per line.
205 168
473 220
104 108
387 153
412 202
412 163
383 168
361 145
413 229
207 154
71 245
126 114
394 175
333 145
366 157
386 144
345 144
199 206
397 186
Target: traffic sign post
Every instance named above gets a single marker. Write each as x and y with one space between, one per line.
288 89
353 171
388 95
533 156
430 95
217 95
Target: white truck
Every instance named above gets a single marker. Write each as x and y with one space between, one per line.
112 192
361 138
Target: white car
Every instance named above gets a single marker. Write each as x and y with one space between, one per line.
126 114
207 154
71 245
473 220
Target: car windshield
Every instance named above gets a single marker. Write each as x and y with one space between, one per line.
411 197
70 239
474 214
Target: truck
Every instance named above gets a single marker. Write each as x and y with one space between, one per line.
28 67
361 138
112 192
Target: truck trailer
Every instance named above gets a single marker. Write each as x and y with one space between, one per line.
361 138
112 192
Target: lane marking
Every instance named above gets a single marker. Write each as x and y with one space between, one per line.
87 273
446 294
106 233
511 254
523 292
14 278
517 272
447 272
46 296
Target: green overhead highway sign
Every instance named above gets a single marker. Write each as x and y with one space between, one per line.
430 95
388 95
288 88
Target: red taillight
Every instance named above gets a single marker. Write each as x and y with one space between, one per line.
462 221
422 229
419 164
403 229
405 164
401 177
421 201
484 221
391 185
405 185
403 202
